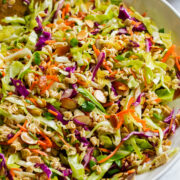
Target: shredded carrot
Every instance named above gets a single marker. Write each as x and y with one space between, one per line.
131 171
33 85
104 150
3 73
83 68
177 63
67 8
52 112
12 173
110 155
107 116
145 80
42 143
37 151
134 75
33 101
158 100
113 73
136 23
144 14
10 93
130 102
47 87
106 66
47 140
61 138
10 141
50 25
63 13
82 82
97 52
22 128
169 52
16 169
125 112
108 104
70 23
52 77
121 121
50 41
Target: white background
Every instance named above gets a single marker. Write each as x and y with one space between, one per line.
174 172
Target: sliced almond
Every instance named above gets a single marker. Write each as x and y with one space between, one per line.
27 138
89 23
99 95
122 87
82 35
84 119
68 103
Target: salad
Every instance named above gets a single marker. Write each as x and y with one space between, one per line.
84 92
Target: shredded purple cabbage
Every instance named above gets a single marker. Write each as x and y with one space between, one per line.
113 89
78 122
134 44
167 130
44 168
101 58
178 75
69 93
3 164
96 24
67 172
138 100
39 28
141 134
88 156
123 13
95 31
59 116
20 88
122 31
148 45
70 69
168 119
26 2
60 5
139 28
81 139
9 136
42 39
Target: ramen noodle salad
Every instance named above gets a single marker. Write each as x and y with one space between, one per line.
84 92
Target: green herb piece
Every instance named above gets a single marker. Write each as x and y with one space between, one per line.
120 58
118 163
157 116
66 17
161 30
87 106
4 1
74 42
48 116
88 95
113 171
37 59
32 135
91 164
116 2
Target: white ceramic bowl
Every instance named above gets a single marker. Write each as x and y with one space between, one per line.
164 16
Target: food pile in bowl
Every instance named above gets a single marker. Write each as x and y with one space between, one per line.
84 92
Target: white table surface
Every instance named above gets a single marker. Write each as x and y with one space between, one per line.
174 172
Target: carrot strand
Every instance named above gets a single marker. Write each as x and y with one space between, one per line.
168 53
177 63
